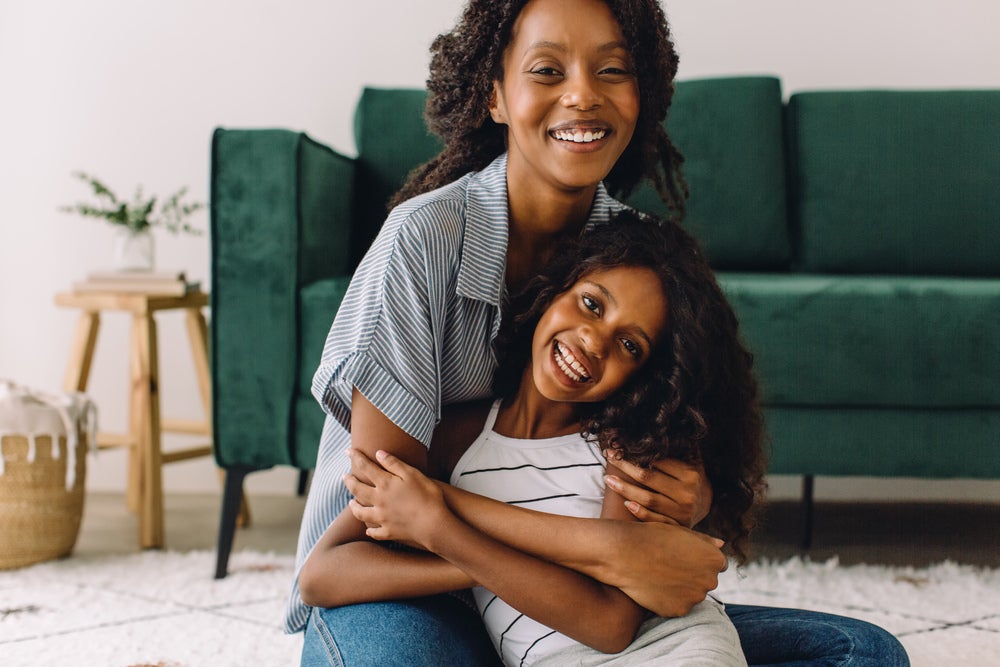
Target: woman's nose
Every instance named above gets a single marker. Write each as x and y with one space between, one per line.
583 93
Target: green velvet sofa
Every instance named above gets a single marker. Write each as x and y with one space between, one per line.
857 234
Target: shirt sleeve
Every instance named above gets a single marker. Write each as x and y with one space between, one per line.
388 333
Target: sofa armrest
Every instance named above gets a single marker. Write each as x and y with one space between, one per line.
281 212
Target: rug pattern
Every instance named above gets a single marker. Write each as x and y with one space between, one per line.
165 609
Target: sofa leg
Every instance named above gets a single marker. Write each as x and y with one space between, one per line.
807 511
303 482
232 496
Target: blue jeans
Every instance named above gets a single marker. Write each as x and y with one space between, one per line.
442 630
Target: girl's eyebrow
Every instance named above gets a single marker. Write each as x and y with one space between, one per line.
611 299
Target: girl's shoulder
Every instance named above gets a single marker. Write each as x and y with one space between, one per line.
460 425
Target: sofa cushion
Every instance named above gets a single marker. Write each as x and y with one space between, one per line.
897 181
730 132
890 442
871 341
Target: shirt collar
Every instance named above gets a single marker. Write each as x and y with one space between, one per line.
484 250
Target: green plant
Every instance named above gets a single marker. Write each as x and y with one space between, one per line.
139 214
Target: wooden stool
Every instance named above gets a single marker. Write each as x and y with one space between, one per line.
145 489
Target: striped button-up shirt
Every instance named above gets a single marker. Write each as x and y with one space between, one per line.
415 330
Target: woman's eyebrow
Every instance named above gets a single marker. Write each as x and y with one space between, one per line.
557 46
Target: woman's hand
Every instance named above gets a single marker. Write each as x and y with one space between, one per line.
669 491
398 502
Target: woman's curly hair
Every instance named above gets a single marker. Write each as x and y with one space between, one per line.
466 61
695 399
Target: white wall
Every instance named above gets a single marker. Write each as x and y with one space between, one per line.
131 90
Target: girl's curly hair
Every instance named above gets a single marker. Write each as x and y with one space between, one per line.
466 61
695 399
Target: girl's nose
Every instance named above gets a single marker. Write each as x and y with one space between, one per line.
594 342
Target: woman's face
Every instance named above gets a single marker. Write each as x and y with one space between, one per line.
596 335
569 98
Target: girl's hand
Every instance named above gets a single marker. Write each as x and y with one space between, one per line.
398 503
668 492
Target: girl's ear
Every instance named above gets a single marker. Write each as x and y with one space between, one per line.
496 113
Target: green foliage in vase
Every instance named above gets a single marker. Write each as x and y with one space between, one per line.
140 213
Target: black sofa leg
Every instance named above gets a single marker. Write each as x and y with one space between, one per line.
303 482
232 496
807 511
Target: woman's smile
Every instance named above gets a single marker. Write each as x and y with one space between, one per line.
568 97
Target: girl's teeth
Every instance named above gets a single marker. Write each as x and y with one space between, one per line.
569 365
579 136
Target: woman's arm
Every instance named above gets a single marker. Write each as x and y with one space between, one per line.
402 504
345 567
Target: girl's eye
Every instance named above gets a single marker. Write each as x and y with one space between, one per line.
590 303
632 348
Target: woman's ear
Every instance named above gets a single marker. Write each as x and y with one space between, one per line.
496 113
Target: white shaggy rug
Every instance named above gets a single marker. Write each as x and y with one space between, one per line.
164 609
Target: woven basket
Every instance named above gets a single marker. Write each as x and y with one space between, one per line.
41 477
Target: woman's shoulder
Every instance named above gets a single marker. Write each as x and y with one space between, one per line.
431 219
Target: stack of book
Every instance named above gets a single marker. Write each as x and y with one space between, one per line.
166 283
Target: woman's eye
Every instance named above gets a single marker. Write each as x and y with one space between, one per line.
591 304
545 71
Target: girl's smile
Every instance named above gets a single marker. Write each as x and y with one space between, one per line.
595 336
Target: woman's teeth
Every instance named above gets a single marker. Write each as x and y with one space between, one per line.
568 364
579 136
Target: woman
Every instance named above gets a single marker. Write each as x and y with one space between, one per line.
539 104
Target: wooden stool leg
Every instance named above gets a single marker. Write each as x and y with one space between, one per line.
198 336
82 352
145 418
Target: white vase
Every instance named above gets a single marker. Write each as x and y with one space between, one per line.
132 250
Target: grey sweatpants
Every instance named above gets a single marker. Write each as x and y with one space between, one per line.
704 638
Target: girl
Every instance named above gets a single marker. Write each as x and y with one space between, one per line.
539 102
627 337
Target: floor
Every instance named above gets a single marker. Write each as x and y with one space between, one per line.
916 534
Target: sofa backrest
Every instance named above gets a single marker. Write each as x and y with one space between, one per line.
898 182
730 133
392 140
729 129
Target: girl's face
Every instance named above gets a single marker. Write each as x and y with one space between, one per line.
569 98
597 334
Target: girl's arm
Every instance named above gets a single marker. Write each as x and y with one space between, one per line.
663 567
403 504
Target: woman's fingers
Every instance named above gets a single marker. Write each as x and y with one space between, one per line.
669 489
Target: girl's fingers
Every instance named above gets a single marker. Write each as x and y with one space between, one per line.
364 468
394 464
360 512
